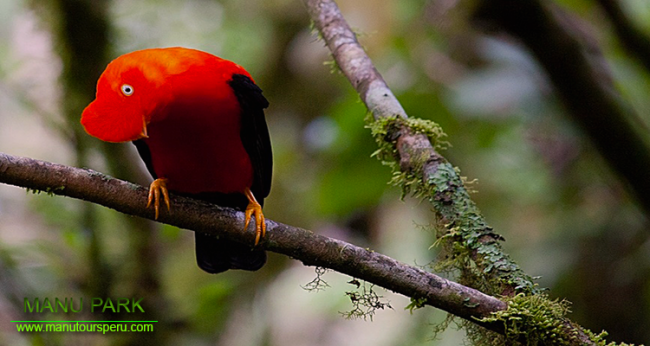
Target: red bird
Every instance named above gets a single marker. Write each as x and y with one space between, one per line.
198 123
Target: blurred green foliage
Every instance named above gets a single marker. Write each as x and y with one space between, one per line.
540 183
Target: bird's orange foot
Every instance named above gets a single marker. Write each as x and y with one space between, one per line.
255 208
157 187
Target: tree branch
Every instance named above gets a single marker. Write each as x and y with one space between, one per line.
438 180
417 158
353 60
312 249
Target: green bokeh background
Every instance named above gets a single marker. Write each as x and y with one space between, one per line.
540 184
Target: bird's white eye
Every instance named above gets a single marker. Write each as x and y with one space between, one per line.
127 90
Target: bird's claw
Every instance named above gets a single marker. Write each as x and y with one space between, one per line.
255 208
157 187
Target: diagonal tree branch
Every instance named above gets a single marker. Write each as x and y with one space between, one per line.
310 248
417 158
353 60
439 181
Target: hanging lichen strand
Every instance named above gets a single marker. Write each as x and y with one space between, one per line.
471 247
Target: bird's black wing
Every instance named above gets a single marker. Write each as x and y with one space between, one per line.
145 155
216 255
254 133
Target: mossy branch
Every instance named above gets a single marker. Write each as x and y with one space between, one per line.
407 146
410 146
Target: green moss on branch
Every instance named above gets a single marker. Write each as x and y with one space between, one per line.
471 249
538 320
471 246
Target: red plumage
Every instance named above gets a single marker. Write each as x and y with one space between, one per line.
198 123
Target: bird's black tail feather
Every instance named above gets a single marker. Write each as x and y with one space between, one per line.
218 255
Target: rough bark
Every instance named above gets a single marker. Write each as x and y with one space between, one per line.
310 248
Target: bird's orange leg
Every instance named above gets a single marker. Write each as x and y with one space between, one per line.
157 187
255 208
